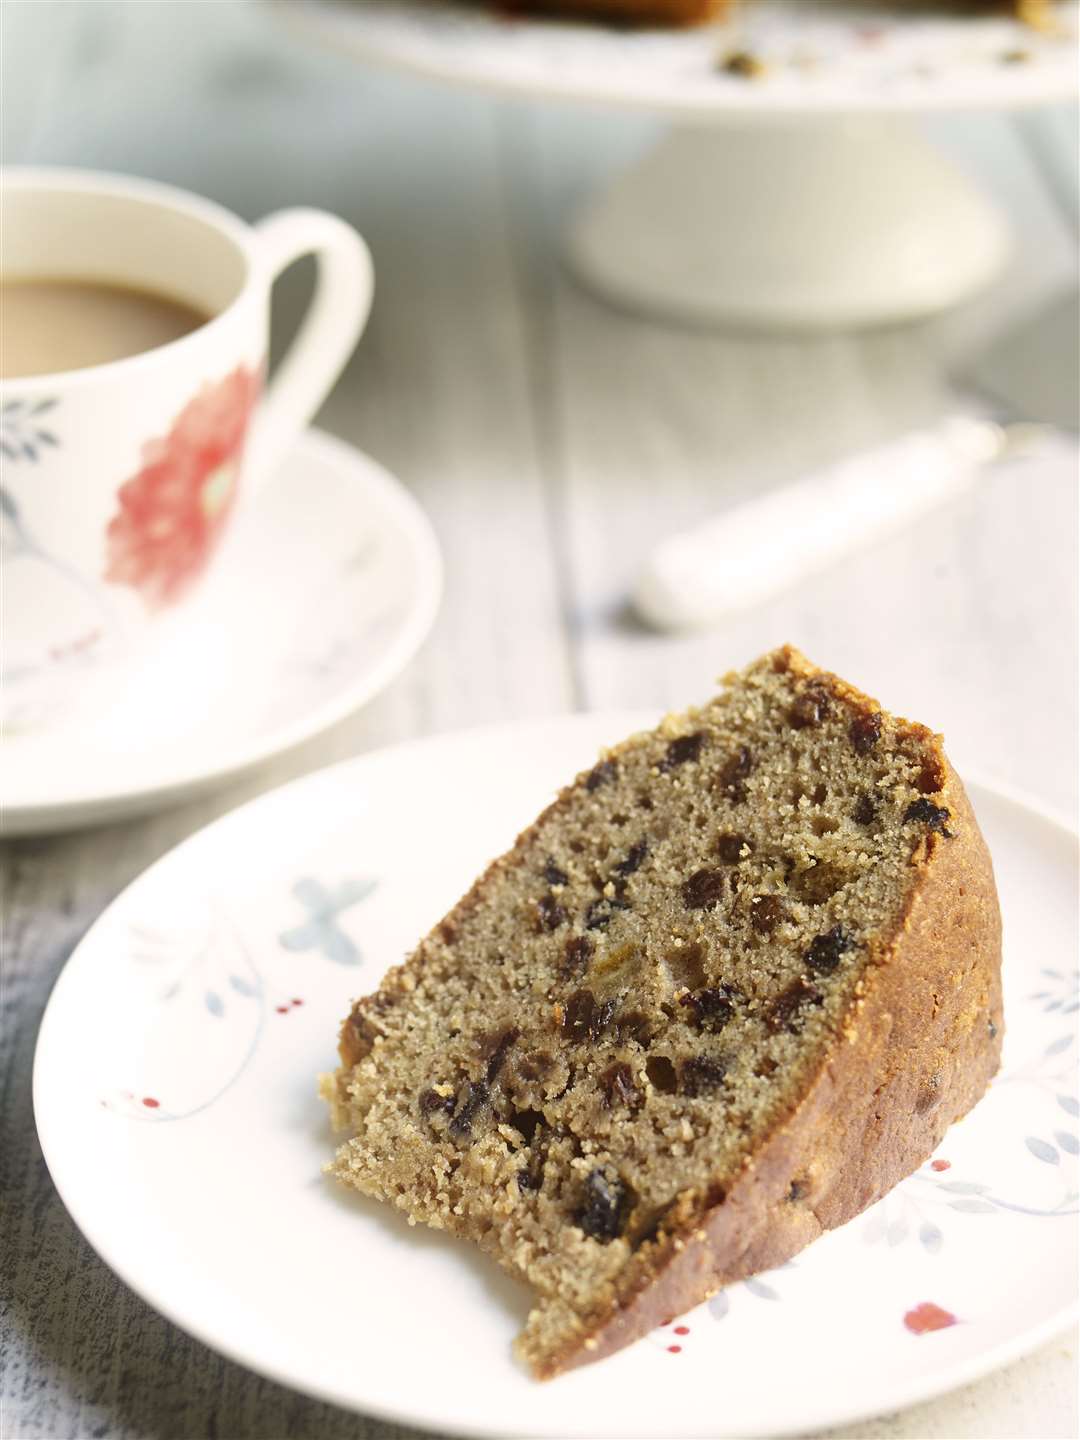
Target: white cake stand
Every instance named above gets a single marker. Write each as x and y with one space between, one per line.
801 199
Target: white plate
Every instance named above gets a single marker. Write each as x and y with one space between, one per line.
174 1089
331 583
822 57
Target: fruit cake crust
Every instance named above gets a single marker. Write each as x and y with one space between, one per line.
917 1053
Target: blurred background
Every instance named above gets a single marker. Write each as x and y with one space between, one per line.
551 438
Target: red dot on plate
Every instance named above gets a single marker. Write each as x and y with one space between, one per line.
282 1009
151 1103
940 1164
298 1002
674 1349
682 1329
927 1317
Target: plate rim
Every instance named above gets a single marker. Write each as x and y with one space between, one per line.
114 802
919 1389
317 20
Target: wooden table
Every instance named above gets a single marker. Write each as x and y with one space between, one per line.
550 439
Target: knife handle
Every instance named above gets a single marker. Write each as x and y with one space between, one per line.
756 550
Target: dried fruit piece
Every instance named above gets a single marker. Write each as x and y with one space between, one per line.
766 913
601 774
496 1048
550 913
864 812
576 956
931 776
682 751
617 1086
661 1074
865 731
606 1204
825 950
711 1008
472 1101
432 1103
634 858
553 875
927 813
703 890
785 1011
810 707
583 1019
578 1016
701 1075
730 848
735 770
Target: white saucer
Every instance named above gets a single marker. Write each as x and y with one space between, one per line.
174 1090
331 583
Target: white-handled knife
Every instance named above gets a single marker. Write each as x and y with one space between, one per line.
771 544
759 549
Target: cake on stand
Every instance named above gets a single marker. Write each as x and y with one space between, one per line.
793 190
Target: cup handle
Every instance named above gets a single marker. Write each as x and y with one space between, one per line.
335 320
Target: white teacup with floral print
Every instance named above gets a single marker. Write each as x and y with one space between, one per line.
118 482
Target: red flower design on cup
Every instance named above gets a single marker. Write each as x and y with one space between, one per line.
173 512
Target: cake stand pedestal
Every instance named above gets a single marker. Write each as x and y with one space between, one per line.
824 226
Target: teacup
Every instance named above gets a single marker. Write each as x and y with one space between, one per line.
118 482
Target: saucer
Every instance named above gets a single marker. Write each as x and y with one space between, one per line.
330 584
175 1098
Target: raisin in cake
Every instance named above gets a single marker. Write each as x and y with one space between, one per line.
733 985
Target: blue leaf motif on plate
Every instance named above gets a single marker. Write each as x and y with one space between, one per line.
973 1207
963 1187
242 986
719 1305
897 1233
321 929
761 1290
1067 1141
930 1237
1042 1150
214 1003
1061 1043
1069 1104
